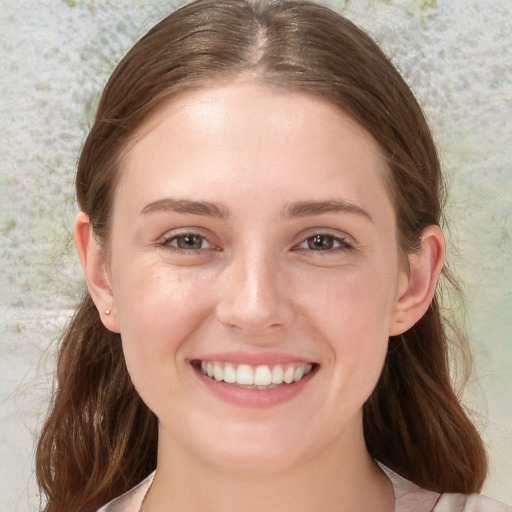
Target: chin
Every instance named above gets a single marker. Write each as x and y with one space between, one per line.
252 449
259 460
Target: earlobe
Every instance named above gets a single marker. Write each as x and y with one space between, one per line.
94 266
425 266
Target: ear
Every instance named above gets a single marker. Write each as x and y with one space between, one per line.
94 265
418 286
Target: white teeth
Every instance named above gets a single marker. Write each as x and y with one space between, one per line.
218 374
288 375
299 373
257 377
244 375
277 375
262 376
229 374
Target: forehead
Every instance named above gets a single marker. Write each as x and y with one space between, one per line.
243 99
242 135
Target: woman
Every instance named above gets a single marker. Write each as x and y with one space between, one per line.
260 237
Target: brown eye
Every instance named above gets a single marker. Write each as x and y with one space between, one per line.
187 241
324 242
190 241
321 242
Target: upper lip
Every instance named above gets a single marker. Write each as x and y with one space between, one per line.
253 359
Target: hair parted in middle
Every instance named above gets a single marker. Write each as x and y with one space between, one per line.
100 439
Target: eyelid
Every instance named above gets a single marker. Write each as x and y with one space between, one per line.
168 236
168 241
344 241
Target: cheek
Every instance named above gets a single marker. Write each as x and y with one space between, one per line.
351 299
157 310
350 312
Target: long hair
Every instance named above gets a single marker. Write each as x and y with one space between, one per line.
99 438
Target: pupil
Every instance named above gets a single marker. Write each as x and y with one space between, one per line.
189 241
320 242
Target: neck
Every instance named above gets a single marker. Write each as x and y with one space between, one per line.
342 479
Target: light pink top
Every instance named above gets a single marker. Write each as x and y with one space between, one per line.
408 498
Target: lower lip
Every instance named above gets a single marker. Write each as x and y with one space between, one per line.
255 397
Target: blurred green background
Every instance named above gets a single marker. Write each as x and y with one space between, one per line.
55 58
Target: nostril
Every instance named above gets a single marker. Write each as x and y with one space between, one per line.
253 318
251 298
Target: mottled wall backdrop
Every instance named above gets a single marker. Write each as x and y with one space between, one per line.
55 58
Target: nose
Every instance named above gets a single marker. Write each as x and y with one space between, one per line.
255 297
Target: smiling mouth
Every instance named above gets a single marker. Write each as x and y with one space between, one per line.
254 377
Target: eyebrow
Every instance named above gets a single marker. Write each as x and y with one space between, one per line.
297 209
187 206
306 208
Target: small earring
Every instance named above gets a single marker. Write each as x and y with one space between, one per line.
107 312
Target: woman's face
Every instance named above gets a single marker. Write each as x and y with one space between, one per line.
254 239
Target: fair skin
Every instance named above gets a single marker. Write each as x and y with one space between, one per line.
253 227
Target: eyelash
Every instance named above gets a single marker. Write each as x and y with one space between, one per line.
340 243
168 243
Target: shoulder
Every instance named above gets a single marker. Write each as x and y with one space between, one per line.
471 503
131 501
411 498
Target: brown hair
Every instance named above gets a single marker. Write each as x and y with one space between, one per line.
99 438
